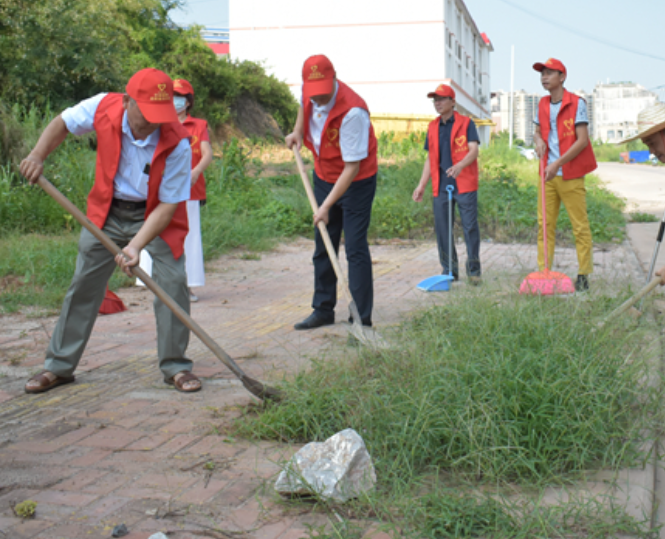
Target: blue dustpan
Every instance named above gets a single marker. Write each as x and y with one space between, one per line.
438 283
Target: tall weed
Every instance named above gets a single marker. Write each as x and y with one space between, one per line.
484 397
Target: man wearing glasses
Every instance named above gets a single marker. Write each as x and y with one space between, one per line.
452 143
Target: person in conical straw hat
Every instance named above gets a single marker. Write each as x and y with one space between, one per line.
651 130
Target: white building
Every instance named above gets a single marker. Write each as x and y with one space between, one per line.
616 106
525 108
392 53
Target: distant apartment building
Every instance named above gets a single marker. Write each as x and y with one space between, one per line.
392 55
616 106
525 108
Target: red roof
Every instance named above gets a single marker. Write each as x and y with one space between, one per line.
485 38
219 48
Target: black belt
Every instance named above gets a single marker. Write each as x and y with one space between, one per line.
128 205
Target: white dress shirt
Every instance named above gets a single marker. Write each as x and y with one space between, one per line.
131 182
353 133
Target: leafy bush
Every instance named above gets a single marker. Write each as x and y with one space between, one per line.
44 61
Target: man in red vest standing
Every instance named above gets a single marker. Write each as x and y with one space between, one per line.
333 121
452 142
562 141
142 180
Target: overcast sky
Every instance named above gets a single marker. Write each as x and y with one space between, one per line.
587 35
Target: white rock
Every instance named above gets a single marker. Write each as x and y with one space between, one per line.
158 535
339 468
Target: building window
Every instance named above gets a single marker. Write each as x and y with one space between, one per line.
610 134
459 51
467 62
450 39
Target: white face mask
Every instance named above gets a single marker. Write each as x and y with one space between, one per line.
180 103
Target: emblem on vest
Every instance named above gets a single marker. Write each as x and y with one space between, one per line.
161 94
332 134
568 130
315 74
195 140
461 144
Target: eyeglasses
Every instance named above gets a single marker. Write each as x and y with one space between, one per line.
440 98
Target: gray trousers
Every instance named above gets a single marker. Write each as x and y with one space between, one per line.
468 210
94 267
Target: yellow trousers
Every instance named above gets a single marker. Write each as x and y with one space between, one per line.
573 195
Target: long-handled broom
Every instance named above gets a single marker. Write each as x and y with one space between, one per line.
255 387
546 282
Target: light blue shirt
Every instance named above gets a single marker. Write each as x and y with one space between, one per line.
581 117
130 181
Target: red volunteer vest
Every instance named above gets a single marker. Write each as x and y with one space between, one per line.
108 125
585 162
198 132
329 164
467 181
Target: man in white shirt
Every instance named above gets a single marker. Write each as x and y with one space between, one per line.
141 182
333 122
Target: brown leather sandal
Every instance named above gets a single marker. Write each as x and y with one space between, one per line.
186 377
45 384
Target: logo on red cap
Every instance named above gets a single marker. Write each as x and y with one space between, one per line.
162 94
316 74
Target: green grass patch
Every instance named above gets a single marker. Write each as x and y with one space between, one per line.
642 217
35 270
612 152
482 392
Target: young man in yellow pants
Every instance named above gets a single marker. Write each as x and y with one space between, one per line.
562 141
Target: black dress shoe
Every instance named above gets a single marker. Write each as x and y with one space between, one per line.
316 320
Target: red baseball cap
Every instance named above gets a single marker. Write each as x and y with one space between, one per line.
444 90
152 90
552 63
182 87
318 76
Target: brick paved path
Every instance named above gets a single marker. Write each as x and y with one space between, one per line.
119 446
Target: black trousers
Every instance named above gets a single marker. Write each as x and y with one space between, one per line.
468 210
351 214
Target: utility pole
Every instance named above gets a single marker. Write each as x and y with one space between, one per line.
511 121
